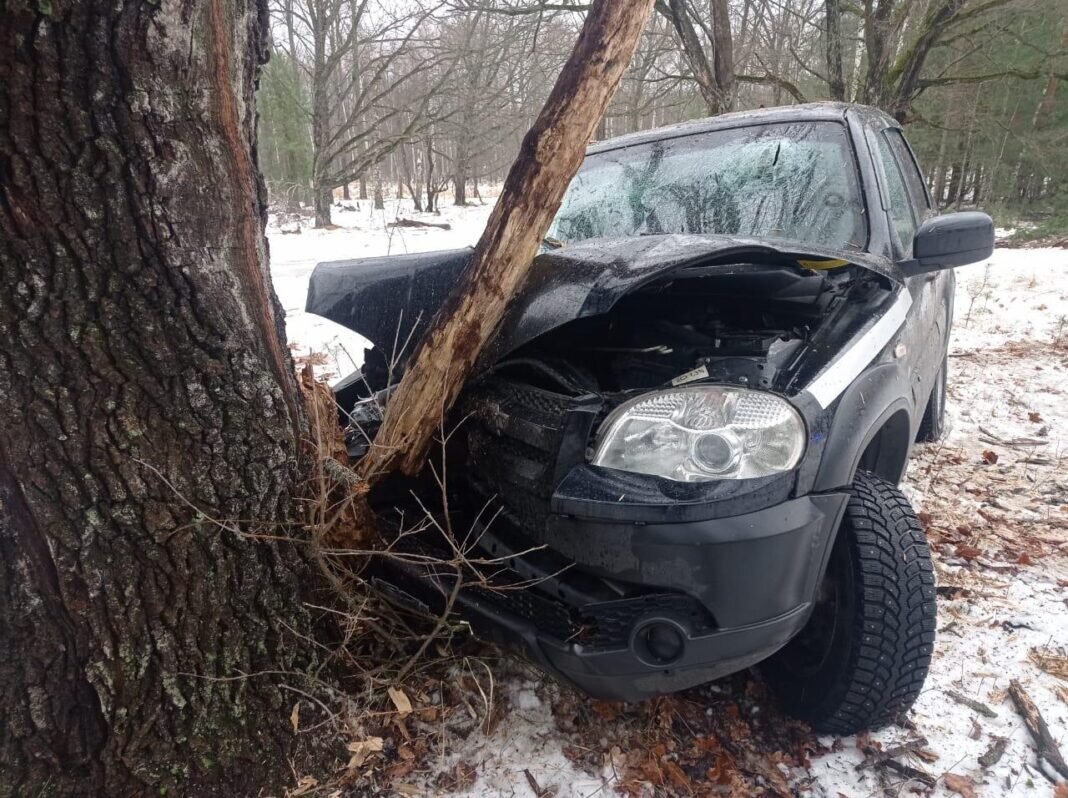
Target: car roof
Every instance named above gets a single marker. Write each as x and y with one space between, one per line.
805 112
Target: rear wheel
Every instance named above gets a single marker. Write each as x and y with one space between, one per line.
861 660
933 423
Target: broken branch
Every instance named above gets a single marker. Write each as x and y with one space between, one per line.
1036 724
971 703
550 155
994 752
417 223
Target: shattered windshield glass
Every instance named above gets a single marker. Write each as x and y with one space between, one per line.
793 181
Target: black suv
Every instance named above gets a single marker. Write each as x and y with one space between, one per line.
681 454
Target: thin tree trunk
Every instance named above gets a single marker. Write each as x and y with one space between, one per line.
833 43
431 196
549 157
379 200
966 165
143 373
322 191
939 189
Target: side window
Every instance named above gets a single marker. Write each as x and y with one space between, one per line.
913 178
895 197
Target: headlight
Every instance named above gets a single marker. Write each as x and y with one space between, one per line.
702 433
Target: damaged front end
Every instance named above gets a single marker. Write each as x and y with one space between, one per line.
637 456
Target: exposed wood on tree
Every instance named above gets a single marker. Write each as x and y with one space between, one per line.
551 154
150 412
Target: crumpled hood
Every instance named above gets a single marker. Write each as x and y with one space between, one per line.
391 300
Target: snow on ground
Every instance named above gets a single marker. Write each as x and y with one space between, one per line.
993 495
361 232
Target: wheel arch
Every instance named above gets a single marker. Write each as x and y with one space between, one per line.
873 430
886 451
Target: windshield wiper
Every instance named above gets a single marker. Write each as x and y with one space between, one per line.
552 243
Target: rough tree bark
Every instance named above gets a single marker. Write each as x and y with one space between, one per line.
143 373
833 40
322 191
712 92
550 155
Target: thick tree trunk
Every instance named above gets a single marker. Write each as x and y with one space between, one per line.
143 373
324 199
459 188
550 155
723 52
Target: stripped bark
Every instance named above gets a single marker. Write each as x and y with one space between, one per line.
550 155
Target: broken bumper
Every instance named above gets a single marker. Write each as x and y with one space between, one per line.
708 598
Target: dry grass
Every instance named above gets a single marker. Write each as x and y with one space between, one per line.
412 680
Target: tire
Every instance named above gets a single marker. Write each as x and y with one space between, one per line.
861 660
933 423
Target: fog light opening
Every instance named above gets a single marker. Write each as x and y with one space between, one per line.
659 642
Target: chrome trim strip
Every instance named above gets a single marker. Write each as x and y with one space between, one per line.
834 379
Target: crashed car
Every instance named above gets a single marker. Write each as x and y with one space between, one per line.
682 449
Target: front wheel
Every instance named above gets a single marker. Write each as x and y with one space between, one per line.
861 660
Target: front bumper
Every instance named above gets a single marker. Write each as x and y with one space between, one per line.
733 590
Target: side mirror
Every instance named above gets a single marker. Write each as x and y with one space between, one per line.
953 239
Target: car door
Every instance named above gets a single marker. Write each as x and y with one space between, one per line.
907 204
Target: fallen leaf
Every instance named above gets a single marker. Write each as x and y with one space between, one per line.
294 717
362 749
1061 790
961 785
400 700
677 775
990 457
925 754
305 784
1035 417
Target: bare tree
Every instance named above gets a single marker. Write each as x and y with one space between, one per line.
370 66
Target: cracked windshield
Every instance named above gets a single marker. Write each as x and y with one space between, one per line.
794 181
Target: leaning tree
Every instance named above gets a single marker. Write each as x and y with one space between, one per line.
150 602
